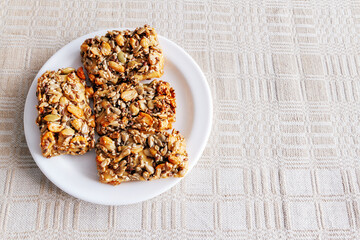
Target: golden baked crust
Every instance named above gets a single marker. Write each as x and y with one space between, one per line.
64 117
133 155
140 106
121 56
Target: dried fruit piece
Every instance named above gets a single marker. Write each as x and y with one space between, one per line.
84 47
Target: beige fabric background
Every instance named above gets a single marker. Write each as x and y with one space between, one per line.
283 158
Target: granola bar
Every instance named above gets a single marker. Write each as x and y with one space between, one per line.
140 106
64 117
123 56
133 155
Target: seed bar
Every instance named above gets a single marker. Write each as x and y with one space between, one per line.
132 155
140 106
123 56
64 117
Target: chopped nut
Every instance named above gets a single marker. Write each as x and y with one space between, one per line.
108 143
87 112
137 149
95 51
153 151
64 101
144 42
129 95
106 48
119 40
78 112
133 109
55 98
133 42
174 159
117 67
150 104
47 141
68 132
142 105
80 73
124 153
52 117
92 121
89 91
145 118
55 127
77 124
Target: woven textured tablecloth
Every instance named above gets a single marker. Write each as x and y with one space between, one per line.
283 158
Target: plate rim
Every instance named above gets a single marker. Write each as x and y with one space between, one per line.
170 185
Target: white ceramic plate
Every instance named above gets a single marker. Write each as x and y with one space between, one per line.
77 175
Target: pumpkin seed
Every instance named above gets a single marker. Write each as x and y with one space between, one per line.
129 95
121 57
